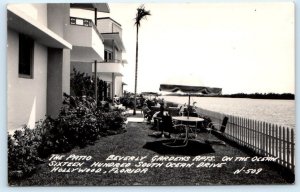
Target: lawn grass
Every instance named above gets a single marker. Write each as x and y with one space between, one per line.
131 143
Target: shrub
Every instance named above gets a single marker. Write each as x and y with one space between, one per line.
128 102
54 138
82 84
22 152
80 122
78 119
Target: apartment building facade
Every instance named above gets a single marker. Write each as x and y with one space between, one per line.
111 68
44 42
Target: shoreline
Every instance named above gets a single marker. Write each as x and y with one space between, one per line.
239 107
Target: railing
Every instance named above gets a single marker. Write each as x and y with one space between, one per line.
263 138
81 21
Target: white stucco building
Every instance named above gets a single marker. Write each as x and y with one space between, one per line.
44 42
111 68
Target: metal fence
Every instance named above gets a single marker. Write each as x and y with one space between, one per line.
265 139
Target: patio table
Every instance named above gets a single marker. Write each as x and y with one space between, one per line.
187 120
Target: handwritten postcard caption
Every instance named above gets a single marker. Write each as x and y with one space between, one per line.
116 164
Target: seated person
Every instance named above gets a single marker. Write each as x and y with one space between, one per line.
190 112
117 100
108 105
149 103
162 123
182 109
194 107
160 113
146 111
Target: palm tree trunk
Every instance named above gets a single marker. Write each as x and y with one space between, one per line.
136 67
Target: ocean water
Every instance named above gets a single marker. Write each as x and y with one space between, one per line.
281 112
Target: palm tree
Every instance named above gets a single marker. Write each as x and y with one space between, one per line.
141 14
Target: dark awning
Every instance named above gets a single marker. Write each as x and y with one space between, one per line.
190 89
150 93
101 7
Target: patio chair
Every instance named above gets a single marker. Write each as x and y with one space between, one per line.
212 127
175 132
163 123
173 111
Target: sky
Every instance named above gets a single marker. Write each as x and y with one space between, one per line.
239 47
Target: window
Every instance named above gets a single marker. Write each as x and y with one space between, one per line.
108 56
108 90
26 45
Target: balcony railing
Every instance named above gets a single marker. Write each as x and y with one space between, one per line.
86 23
111 66
81 22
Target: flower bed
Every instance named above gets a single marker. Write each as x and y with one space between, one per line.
80 123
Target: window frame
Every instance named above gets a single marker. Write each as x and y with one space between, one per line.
26 46
108 55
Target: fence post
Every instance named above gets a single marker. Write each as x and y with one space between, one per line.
292 151
270 139
273 141
276 145
280 144
288 141
260 138
247 132
284 151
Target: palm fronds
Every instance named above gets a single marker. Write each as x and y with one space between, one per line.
141 14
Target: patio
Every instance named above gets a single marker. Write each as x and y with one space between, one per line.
207 168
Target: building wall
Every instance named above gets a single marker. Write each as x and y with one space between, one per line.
87 45
58 81
117 82
108 26
58 18
66 71
54 88
105 76
97 43
79 35
118 86
26 97
118 55
37 11
29 100
104 25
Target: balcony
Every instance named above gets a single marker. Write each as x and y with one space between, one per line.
86 40
108 25
111 66
111 32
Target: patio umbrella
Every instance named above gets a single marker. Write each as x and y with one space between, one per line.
186 86
149 94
